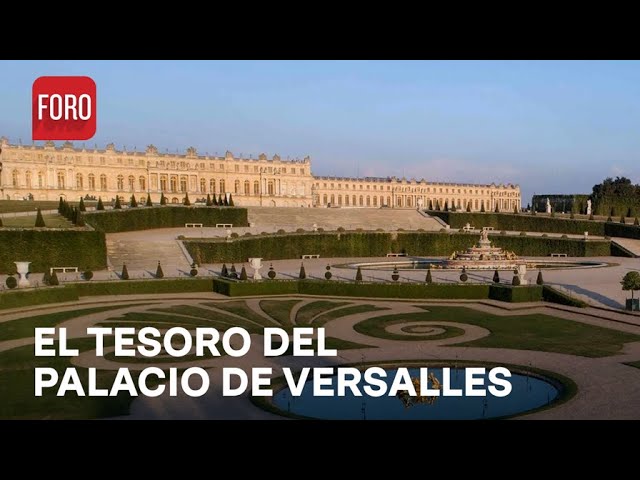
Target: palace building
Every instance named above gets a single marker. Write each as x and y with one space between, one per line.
48 172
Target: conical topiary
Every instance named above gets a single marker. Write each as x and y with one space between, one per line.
223 271
53 280
539 280
243 273
225 200
328 273
220 201
186 200
133 203
303 274
149 203
497 209
359 275
159 272
100 205
428 279
609 219
482 209
117 205
469 207
163 199
496 276
516 281
81 206
209 202
214 201
463 276
39 219
231 201
46 278
272 272
125 273
80 220
60 206
395 275
74 215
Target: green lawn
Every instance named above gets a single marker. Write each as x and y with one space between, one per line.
51 221
376 327
239 307
331 342
310 310
542 333
343 312
24 327
214 316
279 310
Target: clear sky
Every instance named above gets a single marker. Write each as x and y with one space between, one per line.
552 127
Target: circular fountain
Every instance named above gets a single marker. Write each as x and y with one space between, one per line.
483 256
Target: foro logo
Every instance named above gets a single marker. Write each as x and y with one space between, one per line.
63 108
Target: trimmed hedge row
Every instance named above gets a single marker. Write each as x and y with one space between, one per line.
132 287
46 248
110 221
29 298
521 223
505 293
540 223
331 245
552 295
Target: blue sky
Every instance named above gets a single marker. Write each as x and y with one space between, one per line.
552 127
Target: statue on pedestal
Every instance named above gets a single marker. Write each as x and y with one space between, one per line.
589 207
548 209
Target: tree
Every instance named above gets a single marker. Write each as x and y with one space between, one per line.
303 273
209 202
80 220
359 275
220 201
631 281
117 205
225 200
133 203
224 272
125 273
243 273
497 209
428 279
53 279
446 205
74 215
46 278
622 219
571 215
60 206
149 203
231 201
39 219
516 281
539 279
612 213
81 206
186 200
100 205
214 201
482 209
469 206
430 204
609 219
159 272
496 276
0 221
163 199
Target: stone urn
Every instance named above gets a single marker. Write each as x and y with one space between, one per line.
256 264
23 270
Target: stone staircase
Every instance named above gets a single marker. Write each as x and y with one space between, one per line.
143 254
271 219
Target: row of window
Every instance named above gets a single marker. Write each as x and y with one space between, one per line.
374 201
420 190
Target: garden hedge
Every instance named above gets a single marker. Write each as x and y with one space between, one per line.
376 244
168 216
552 295
28 298
46 248
131 287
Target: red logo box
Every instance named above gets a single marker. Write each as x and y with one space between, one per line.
63 108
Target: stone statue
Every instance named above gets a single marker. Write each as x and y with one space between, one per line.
548 205
589 207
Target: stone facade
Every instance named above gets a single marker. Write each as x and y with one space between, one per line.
48 172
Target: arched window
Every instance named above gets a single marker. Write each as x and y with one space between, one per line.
236 187
92 181
353 200
346 199
212 185
132 183
28 178
409 201
183 183
333 200
14 178
120 182
270 188
142 182
375 201
222 189
163 183
368 201
61 180
256 187
103 182
324 199
247 187
388 201
339 199
174 200
173 183
399 201
361 200
79 181
203 185
476 204
40 180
